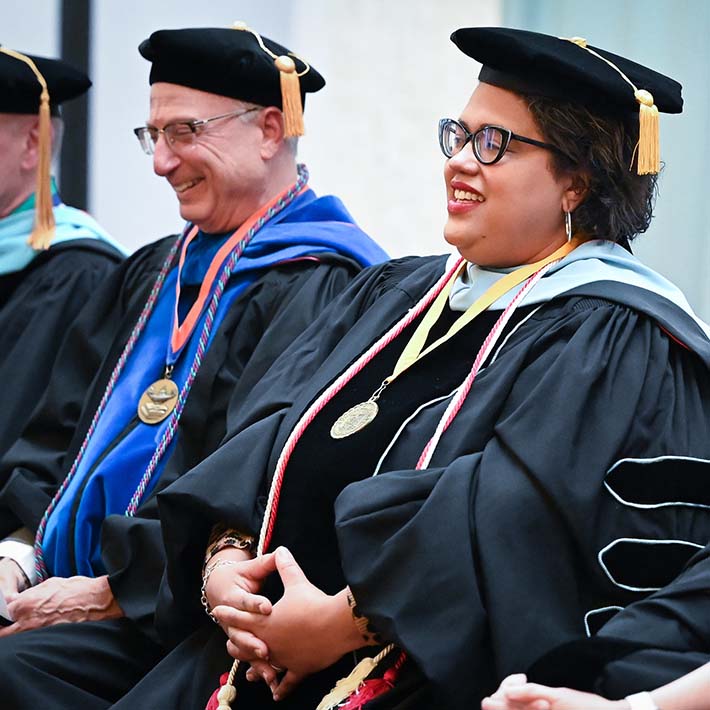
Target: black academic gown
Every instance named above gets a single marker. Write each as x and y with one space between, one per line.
37 308
490 557
260 324
642 646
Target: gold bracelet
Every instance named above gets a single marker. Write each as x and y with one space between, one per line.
219 530
205 579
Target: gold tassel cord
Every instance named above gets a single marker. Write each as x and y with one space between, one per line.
649 153
240 25
44 225
345 687
290 96
649 145
43 231
226 696
291 102
228 693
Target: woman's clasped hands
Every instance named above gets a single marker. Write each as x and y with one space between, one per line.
305 631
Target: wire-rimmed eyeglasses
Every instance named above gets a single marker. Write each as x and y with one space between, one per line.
181 132
489 142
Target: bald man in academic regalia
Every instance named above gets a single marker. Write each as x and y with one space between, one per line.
179 335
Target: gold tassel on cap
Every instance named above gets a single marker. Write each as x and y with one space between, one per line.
291 103
44 225
649 153
649 145
290 96
43 231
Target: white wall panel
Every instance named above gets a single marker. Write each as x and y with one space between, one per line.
31 26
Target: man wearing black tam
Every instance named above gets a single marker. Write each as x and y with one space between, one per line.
469 460
179 335
52 256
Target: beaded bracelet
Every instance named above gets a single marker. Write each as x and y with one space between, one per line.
219 530
362 623
205 579
231 538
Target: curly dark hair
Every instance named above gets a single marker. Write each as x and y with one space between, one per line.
619 203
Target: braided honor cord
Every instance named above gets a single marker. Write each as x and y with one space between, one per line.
273 209
465 387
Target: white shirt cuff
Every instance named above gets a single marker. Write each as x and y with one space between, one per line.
641 701
22 553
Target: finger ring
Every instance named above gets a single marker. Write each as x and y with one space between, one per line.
278 669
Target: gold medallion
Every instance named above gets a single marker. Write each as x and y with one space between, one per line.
355 419
158 401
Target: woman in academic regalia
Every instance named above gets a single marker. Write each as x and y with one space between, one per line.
466 462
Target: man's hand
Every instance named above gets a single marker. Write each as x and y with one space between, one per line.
306 631
62 600
12 578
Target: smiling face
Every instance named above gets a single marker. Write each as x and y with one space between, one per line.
512 212
220 178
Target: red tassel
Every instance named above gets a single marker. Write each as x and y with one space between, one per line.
213 703
371 689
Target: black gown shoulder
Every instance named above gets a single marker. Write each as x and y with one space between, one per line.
38 306
101 325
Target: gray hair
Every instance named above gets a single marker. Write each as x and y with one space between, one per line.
291 142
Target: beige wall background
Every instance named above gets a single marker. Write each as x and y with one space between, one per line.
393 74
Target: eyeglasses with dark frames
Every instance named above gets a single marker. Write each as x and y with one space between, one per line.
489 143
180 133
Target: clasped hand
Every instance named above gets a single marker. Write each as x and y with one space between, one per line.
304 632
